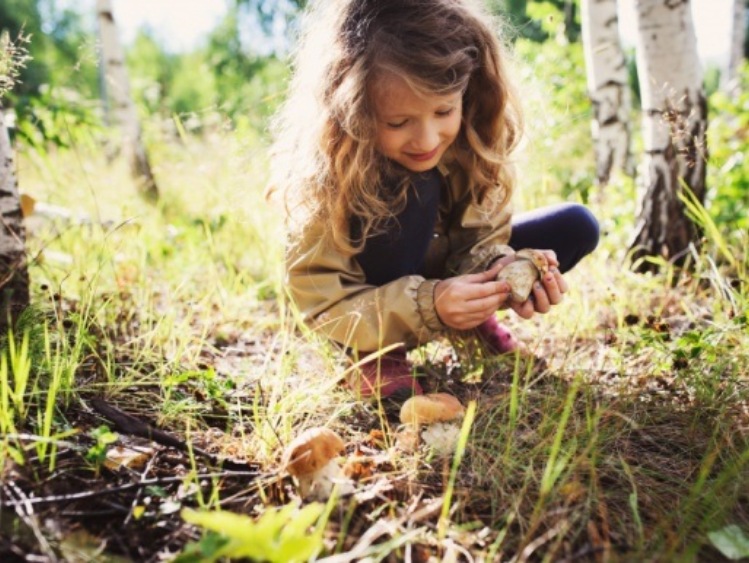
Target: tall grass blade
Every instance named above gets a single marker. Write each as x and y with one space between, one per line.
460 449
553 469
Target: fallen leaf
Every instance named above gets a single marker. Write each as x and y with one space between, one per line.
120 456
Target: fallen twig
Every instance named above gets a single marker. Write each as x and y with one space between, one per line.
129 424
112 490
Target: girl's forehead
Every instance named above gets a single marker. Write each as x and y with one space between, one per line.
392 94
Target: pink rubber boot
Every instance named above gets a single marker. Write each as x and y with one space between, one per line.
496 337
388 377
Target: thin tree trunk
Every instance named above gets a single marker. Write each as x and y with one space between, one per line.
120 109
14 276
608 88
674 124
738 37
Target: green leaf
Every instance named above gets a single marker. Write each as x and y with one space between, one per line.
280 535
226 523
302 521
731 541
207 550
297 550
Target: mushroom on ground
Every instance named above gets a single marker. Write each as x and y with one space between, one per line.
529 266
312 458
437 411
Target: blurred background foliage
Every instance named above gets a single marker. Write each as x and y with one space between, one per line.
236 77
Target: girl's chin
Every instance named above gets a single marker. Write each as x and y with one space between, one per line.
422 168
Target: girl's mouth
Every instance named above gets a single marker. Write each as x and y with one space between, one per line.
420 157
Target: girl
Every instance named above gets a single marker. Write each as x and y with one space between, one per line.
393 152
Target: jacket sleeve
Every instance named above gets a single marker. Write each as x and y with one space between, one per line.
478 233
331 293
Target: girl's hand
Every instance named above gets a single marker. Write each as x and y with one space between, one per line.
546 292
464 302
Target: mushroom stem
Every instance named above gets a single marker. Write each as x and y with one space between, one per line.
320 484
311 458
436 412
441 437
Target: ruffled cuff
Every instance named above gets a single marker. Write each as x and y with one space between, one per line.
425 304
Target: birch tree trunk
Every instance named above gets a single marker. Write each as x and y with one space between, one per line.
738 37
120 109
674 124
14 277
608 88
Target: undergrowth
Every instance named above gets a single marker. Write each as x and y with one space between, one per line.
622 435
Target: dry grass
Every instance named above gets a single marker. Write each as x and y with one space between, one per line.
628 442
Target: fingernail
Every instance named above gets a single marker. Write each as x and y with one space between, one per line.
537 285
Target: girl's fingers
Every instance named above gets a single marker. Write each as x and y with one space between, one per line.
524 310
541 299
474 291
484 276
554 290
551 256
492 272
485 306
561 282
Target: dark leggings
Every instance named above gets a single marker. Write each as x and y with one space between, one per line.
569 229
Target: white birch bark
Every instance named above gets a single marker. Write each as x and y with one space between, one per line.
119 106
674 124
608 88
14 278
738 36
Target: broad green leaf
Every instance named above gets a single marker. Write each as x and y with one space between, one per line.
206 551
302 521
270 524
300 549
731 541
226 523
280 535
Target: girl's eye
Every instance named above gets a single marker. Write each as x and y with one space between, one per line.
445 112
397 125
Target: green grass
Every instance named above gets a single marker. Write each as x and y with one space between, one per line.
628 443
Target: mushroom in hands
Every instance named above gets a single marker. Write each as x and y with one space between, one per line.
529 266
438 412
312 458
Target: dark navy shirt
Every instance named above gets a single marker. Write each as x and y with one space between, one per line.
399 249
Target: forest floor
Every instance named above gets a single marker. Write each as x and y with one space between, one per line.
161 372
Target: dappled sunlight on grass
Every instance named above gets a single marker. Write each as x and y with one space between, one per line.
623 432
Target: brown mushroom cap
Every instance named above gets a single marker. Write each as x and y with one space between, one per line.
435 407
311 450
536 257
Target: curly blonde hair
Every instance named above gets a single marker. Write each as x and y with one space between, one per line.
325 159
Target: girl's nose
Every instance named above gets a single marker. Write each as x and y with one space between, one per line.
427 137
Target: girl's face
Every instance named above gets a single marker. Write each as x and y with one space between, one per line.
414 129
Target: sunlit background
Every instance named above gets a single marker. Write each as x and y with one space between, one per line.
183 25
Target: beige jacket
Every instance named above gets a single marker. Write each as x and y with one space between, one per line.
330 290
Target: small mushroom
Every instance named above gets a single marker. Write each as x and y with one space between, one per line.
438 412
312 458
529 266
434 407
